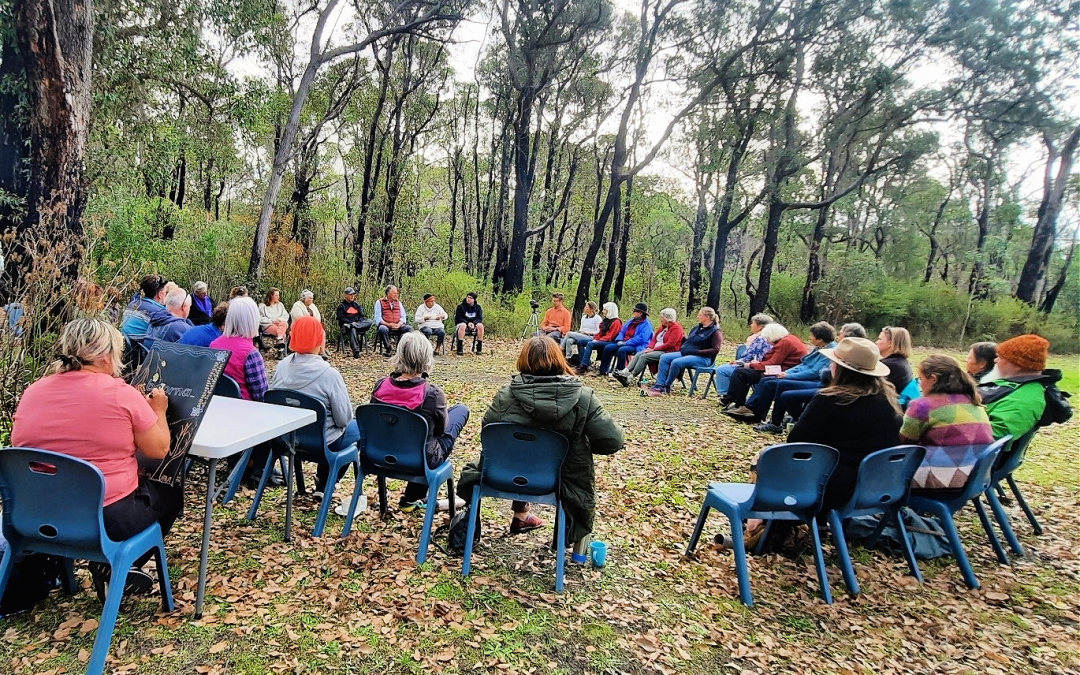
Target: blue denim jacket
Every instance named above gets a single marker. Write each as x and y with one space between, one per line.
810 366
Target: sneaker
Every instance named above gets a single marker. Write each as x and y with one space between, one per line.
526 524
581 370
317 495
342 509
623 377
657 391
444 504
409 507
742 412
138 582
769 428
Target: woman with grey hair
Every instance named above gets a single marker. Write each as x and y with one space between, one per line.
246 364
590 326
83 409
667 340
305 306
407 387
202 305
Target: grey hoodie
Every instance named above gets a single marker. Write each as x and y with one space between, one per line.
309 374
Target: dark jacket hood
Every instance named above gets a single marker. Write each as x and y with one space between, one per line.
546 397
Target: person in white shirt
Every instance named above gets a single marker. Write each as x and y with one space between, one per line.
590 326
429 319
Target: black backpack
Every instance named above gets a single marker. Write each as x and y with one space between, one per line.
1058 410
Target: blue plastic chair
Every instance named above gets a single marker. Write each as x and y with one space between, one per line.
522 463
310 446
697 372
945 507
394 445
1011 461
791 479
881 486
72 527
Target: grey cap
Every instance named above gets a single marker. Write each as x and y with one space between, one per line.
350 290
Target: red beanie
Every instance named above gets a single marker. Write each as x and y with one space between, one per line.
306 335
1027 351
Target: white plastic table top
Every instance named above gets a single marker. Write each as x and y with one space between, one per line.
232 425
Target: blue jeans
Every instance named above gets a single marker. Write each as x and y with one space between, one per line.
612 350
768 391
593 345
723 377
672 366
351 435
792 402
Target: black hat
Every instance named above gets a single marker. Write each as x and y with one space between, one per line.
641 307
428 295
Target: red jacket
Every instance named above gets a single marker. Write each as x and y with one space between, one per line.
787 352
612 332
672 338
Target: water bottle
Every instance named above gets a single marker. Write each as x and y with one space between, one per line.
580 555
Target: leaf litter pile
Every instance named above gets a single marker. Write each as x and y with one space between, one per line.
362 605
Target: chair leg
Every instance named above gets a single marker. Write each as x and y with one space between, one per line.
429 519
764 535
693 383
451 497
819 558
949 525
7 563
741 569
328 494
383 506
710 383
999 551
1003 522
236 477
698 527
358 490
164 584
262 485
842 550
1023 504
67 581
560 546
470 533
107 624
905 545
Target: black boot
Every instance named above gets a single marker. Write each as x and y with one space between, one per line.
461 348
479 346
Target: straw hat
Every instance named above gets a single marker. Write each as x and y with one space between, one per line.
858 354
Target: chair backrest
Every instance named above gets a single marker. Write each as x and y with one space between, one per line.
31 481
979 479
311 437
885 476
522 459
1014 456
227 387
394 438
792 477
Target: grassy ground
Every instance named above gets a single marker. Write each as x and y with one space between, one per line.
362 605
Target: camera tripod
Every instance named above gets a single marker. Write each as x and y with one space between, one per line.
532 325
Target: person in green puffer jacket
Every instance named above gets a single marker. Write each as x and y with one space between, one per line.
1014 392
545 395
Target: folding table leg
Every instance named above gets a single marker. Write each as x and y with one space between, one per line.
289 486
205 552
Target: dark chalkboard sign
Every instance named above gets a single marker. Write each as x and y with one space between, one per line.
188 374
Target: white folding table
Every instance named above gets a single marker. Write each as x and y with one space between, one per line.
230 426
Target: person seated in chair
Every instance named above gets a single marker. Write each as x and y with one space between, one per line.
407 387
305 306
469 318
757 345
429 318
305 371
202 305
172 325
786 353
202 336
587 330
1014 392
790 403
351 320
545 395
147 306
274 321
390 318
806 375
83 409
699 350
632 338
557 320
895 347
610 326
947 420
980 359
667 340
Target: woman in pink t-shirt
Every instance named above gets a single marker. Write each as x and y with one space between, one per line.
83 409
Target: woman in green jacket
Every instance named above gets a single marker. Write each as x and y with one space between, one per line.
544 394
